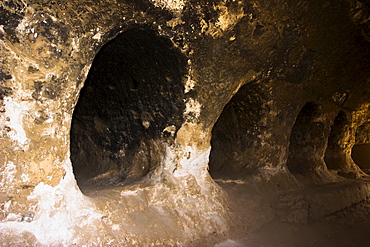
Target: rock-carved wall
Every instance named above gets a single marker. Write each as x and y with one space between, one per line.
138 91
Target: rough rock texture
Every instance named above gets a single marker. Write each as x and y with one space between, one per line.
140 95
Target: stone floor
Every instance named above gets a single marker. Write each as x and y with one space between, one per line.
336 214
278 233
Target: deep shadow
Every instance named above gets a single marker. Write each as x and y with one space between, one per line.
235 134
361 150
134 90
307 141
361 155
335 157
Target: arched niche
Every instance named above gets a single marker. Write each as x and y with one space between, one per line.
361 156
235 135
132 94
335 154
361 150
307 141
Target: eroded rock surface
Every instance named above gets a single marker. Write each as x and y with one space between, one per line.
112 113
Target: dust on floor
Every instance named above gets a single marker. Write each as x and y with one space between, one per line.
352 230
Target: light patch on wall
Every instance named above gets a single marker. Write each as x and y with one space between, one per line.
173 5
192 159
189 85
97 36
25 23
25 178
75 46
7 175
14 114
187 161
170 129
194 162
228 19
59 210
192 110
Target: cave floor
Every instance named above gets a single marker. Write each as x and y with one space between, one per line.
277 233
262 226
258 211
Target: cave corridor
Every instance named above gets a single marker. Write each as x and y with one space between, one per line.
185 123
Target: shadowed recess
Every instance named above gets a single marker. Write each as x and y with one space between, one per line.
307 140
335 156
235 134
361 150
361 155
134 90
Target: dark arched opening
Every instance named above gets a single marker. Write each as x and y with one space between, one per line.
335 156
235 135
133 92
307 141
361 156
361 150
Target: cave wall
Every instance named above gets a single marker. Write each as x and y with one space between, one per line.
234 74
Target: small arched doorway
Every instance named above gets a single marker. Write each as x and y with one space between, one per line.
307 141
335 156
236 134
361 156
361 150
